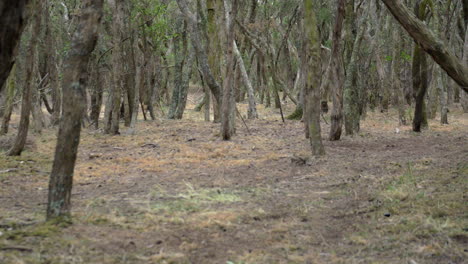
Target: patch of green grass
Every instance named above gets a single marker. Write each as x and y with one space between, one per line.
45 229
194 200
420 214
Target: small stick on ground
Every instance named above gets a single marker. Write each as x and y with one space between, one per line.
243 121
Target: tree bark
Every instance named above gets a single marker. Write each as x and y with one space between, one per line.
26 103
12 20
337 73
312 90
115 95
434 46
252 112
9 97
228 103
201 52
74 89
351 88
420 72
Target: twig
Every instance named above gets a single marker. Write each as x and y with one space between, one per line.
23 249
243 121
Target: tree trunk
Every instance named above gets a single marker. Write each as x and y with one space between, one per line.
213 12
464 96
337 73
252 112
9 97
312 91
435 47
117 85
180 55
96 96
186 76
420 77
201 52
12 21
351 88
228 106
396 76
26 103
74 87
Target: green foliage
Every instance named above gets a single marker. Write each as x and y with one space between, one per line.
150 17
405 56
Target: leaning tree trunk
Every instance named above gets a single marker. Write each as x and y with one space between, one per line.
12 21
429 42
338 73
201 51
252 112
26 103
74 103
312 90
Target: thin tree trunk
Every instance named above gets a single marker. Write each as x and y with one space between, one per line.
26 103
396 76
252 112
464 96
74 87
10 96
312 90
337 73
201 52
351 88
186 76
228 106
420 77
117 68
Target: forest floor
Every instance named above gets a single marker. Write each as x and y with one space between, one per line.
175 193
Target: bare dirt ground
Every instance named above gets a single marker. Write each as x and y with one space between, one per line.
176 193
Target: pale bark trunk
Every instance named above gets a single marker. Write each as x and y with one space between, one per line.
252 112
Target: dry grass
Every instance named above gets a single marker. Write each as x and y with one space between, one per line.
176 193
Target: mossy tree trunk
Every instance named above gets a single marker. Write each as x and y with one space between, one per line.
312 91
